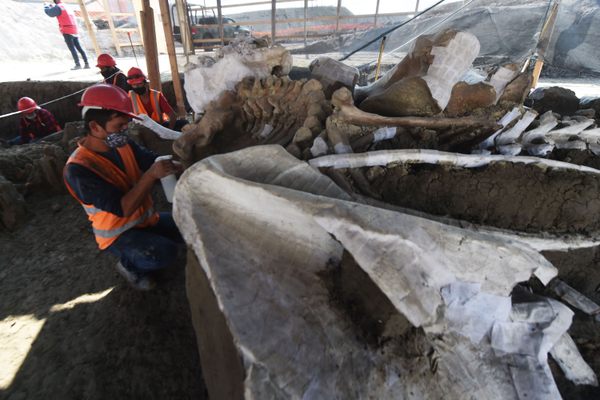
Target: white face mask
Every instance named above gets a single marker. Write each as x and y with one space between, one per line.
31 116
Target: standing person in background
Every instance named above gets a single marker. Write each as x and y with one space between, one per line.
151 102
35 122
112 75
68 27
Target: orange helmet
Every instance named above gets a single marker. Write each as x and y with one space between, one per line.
106 97
135 76
27 105
105 60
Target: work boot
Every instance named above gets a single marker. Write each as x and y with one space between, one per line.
76 67
86 66
135 280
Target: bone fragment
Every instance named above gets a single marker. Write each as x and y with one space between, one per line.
449 64
574 298
511 135
161 131
504 121
502 77
547 122
567 356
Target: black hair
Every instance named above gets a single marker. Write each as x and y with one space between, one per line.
100 116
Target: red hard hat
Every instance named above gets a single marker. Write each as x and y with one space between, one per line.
106 97
27 105
105 60
135 76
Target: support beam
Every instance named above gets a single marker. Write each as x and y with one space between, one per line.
220 16
273 23
149 34
88 25
376 14
168 29
111 25
337 17
417 7
306 16
184 27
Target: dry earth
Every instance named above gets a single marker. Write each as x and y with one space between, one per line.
98 339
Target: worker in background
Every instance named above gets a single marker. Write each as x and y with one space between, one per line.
35 122
68 27
112 75
112 177
151 102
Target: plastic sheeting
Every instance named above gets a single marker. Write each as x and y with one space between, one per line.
266 227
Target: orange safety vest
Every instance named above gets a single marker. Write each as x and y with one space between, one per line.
107 226
138 106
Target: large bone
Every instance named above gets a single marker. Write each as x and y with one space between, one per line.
345 109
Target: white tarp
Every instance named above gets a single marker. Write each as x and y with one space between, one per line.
266 226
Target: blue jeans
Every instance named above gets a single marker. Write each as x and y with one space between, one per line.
144 250
73 45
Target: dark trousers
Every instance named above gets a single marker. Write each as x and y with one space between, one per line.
74 46
144 250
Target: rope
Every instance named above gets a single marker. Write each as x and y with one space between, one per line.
58 99
391 30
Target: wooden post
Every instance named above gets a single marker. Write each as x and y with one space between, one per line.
88 25
111 25
166 20
184 27
543 43
376 14
149 34
220 15
273 12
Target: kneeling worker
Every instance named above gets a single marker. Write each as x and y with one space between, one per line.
151 102
112 178
35 123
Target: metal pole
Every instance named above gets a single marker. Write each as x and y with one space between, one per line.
376 13
305 16
337 17
417 7
168 29
220 13
273 12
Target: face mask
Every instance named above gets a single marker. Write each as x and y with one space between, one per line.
107 72
30 116
117 139
140 90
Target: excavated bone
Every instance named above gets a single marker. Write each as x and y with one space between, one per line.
466 98
449 64
453 282
545 195
568 358
512 135
345 109
242 58
574 298
572 145
502 77
547 122
161 131
270 110
333 74
507 119
516 91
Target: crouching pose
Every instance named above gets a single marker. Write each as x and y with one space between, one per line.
112 178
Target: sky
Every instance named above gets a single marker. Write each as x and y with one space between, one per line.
355 6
